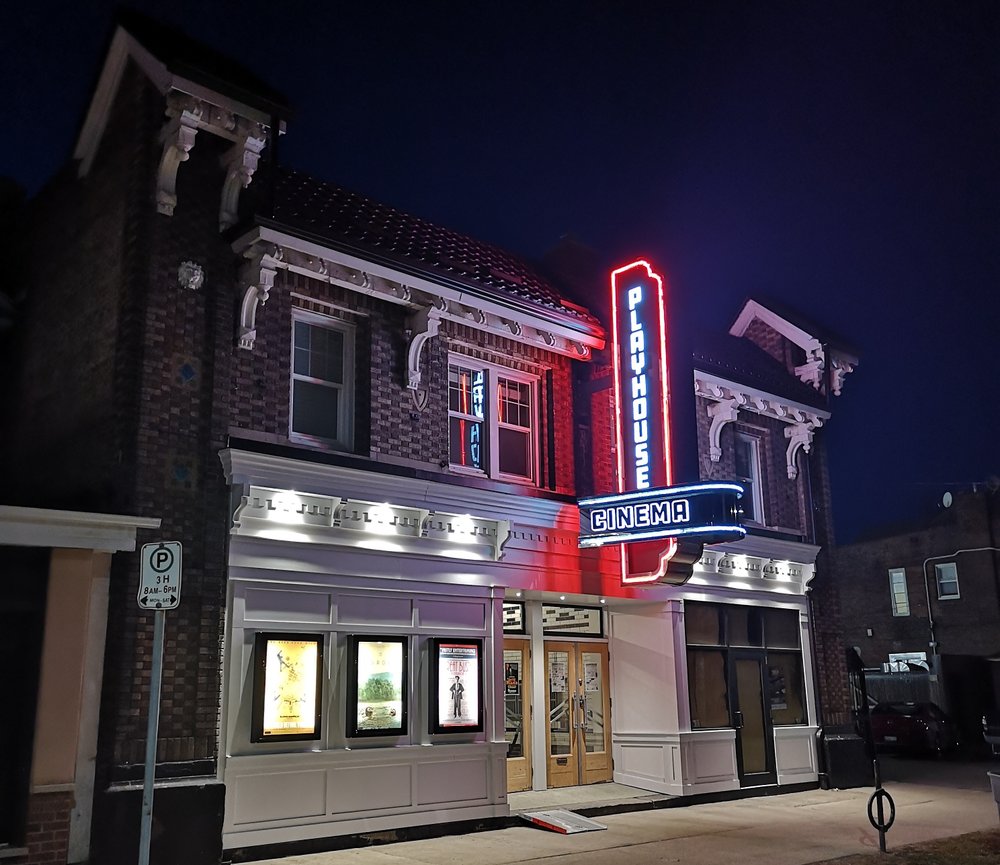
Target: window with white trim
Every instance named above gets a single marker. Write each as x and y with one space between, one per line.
748 476
322 385
947 580
898 593
492 420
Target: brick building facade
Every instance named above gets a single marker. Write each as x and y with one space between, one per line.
369 434
925 600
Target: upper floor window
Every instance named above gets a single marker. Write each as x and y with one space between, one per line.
491 419
897 590
947 580
748 475
322 393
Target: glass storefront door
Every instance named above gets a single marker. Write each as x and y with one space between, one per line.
517 713
751 718
578 712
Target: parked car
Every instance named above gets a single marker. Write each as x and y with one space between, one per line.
991 729
912 727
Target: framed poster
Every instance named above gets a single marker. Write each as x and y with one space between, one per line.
456 686
376 700
287 687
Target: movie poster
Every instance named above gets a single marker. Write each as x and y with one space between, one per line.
458 686
380 707
287 689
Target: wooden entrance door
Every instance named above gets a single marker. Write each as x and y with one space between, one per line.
517 713
578 713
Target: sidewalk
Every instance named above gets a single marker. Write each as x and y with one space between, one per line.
789 829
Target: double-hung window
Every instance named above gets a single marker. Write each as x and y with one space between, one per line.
947 580
322 393
897 590
748 476
491 419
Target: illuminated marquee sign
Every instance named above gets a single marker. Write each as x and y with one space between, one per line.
660 528
707 512
640 358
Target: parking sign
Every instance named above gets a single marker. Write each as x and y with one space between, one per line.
160 576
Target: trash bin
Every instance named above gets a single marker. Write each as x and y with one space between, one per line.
995 784
847 763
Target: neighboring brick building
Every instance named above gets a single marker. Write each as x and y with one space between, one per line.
927 597
369 434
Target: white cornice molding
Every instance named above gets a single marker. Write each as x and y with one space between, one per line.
818 355
752 309
728 398
190 107
39 527
243 468
520 321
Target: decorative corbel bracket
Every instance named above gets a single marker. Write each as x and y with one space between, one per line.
258 277
178 139
799 437
721 414
811 372
240 164
420 327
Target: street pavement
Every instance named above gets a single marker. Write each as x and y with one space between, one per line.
934 799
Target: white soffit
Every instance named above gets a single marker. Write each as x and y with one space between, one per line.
38 527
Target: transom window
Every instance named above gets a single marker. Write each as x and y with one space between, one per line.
322 381
947 580
491 418
748 475
897 588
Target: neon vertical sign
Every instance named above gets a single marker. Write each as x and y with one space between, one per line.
642 405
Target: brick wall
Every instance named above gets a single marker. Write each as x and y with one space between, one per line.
782 350
388 423
967 625
47 835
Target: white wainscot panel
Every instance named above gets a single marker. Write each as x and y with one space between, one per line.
465 616
649 761
370 788
274 798
795 754
279 796
452 781
372 609
286 605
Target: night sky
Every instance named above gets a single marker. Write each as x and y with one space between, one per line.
842 158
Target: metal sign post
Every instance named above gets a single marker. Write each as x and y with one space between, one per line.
159 590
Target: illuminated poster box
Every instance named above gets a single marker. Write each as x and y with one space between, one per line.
377 698
287 687
456 686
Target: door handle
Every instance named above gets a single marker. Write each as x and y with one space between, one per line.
738 719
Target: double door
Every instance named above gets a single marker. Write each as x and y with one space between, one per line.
578 714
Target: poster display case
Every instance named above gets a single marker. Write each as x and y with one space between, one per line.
456 682
377 687
287 687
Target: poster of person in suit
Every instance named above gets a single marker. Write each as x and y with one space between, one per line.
458 685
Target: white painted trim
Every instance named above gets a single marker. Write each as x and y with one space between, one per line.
244 467
522 312
753 309
90 714
39 527
708 379
124 47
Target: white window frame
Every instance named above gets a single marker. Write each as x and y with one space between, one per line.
900 599
345 414
491 422
939 571
756 475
